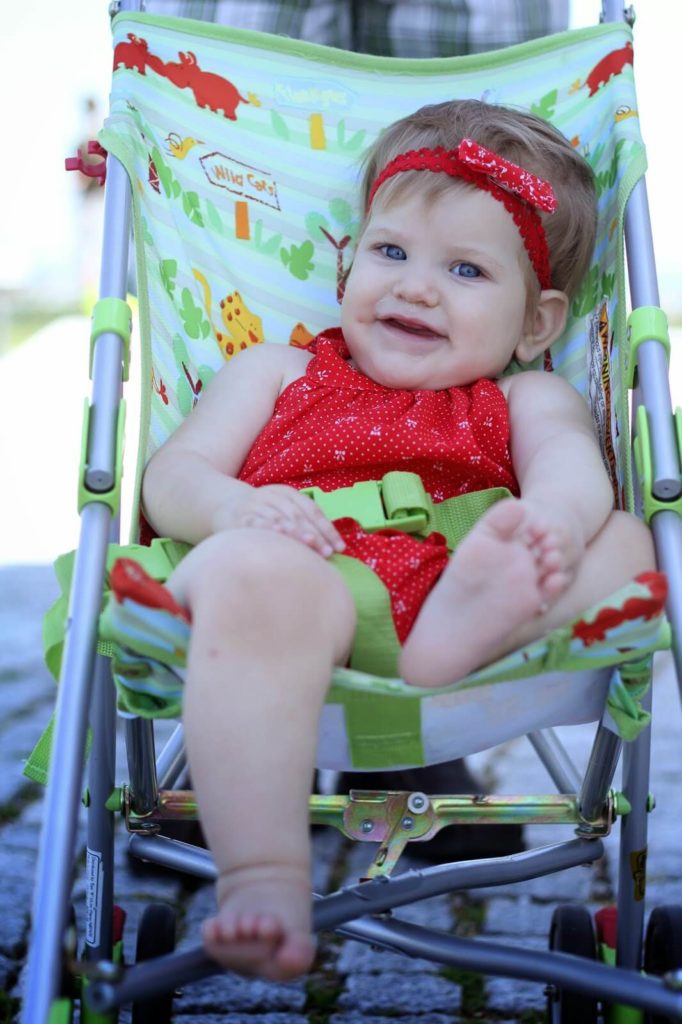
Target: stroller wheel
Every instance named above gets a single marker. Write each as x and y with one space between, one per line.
663 945
572 931
155 937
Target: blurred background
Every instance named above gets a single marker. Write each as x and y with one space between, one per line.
55 62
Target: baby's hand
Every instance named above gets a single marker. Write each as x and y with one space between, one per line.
285 510
556 540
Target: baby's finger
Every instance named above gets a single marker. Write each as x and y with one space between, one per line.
294 523
265 521
294 528
313 537
322 525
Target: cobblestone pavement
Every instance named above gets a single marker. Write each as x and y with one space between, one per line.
351 983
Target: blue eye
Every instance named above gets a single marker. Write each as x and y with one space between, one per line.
394 252
466 270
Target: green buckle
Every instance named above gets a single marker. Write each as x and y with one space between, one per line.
397 501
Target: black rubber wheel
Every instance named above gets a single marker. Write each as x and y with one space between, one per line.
572 931
663 945
155 937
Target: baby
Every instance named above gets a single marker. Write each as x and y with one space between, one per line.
479 225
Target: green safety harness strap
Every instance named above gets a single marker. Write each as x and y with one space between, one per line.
399 501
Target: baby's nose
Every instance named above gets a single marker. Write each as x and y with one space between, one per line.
416 288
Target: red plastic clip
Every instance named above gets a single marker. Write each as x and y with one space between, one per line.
94 169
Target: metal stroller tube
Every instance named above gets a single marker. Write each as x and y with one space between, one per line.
357 901
53 876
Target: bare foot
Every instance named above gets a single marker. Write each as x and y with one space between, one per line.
263 925
502 574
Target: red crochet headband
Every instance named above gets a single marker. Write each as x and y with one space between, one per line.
521 192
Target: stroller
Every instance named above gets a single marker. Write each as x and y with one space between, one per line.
205 141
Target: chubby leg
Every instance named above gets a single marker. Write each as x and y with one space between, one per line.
270 619
496 593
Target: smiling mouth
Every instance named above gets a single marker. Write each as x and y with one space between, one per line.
412 327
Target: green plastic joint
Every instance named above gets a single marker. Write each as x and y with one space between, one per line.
112 316
111 497
621 804
646 323
644 464
115 801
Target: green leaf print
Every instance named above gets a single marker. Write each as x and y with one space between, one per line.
605 180
269 247
185 396
545 108
146 233
608 284
190 204
279 125
315 223
354 143
596 155
180 350
298 259
341 211
164 172
193 317
588 294
213 218
167 271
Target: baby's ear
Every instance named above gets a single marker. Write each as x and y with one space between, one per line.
544 325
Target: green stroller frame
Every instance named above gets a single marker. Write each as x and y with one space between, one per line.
151 797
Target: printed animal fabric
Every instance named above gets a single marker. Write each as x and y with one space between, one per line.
244 153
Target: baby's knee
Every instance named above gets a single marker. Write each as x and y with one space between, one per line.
251 567
632 540
229 562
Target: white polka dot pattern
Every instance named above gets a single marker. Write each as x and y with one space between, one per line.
334 427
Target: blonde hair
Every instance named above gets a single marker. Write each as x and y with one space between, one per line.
516 135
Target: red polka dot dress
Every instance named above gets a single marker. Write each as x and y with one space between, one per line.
334 427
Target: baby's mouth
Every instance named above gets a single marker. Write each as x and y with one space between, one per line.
415 327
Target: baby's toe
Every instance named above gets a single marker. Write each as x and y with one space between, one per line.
294 956
267 926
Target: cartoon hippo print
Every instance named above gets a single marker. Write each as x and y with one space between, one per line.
132 54
135 55
610 65
210 90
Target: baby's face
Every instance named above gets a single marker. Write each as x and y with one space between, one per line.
437 295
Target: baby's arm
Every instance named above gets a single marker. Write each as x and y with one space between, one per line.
564 486
190 490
